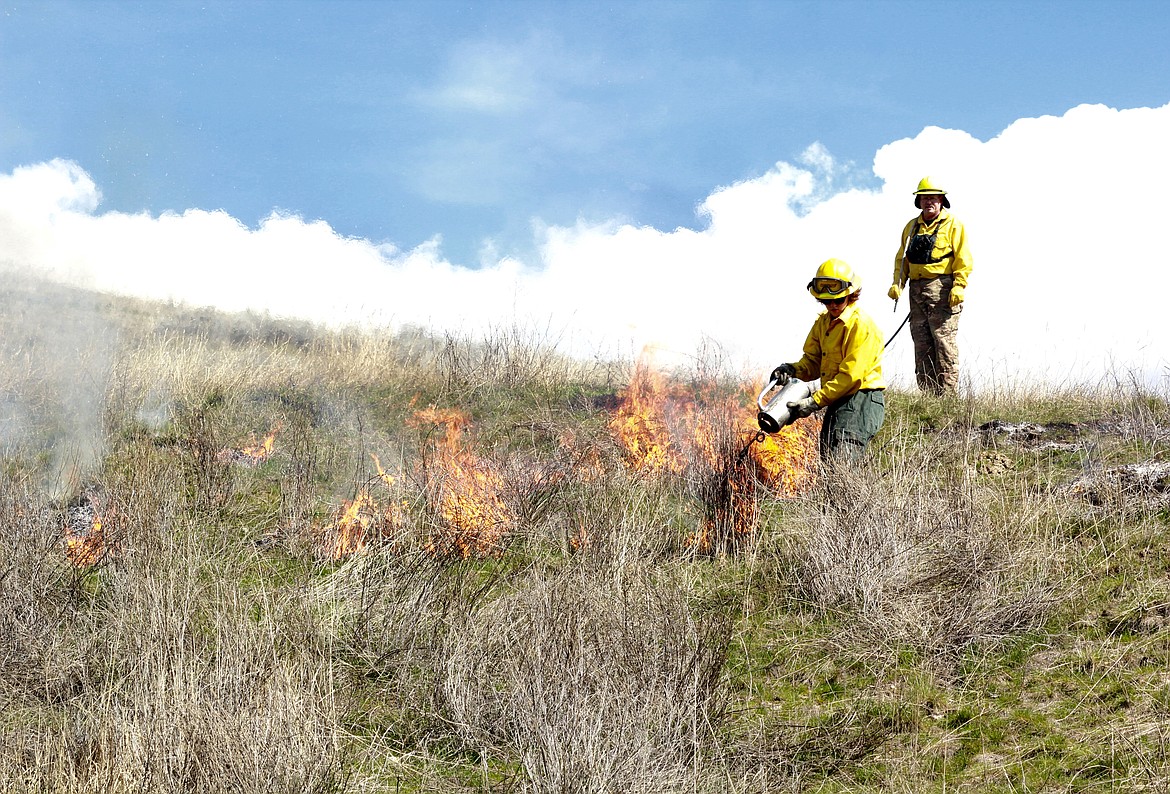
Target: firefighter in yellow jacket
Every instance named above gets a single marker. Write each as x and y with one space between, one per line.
843 349
934 260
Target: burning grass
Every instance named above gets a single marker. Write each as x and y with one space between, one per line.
364 522
252 454
361 522
463 488
86 529
710 439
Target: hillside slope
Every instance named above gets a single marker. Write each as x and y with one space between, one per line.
250 554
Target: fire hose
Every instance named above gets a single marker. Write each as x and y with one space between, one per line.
900 327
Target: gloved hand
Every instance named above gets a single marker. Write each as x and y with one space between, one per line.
783 373
802 408
956 296
895 292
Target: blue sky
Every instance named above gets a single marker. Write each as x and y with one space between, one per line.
613 176
399 121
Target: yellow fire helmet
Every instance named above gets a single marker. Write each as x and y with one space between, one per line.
834 279
927 188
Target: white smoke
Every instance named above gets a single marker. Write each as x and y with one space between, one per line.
56 357
1062 213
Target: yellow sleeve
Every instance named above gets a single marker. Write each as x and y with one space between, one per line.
862 352
900 275
809 366
961 265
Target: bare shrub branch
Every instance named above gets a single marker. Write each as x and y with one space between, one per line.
596 679
934 564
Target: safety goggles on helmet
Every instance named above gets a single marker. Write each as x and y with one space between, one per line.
829 286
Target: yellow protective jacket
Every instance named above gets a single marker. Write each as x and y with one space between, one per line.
846 354
950 248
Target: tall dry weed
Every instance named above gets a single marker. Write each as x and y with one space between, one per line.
189 685
926 555
595 679
43 625
152 665
513 359
217 703
391 610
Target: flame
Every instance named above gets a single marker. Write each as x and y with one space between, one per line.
467 490
579 539
465 495
382 475
787 461
362 521
738 478
349 534
85 537
641 421
254 454
713 442
260 452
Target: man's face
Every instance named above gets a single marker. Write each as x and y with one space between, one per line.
931 206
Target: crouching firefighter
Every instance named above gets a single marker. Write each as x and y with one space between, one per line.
843 349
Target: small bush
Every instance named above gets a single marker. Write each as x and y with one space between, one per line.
593 679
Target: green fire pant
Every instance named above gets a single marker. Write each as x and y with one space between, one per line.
851 422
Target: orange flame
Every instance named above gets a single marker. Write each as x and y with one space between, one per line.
787 461
641 421
254 454
85 538
465 494
349 534
467 490
782 465
362 522
388 479
709 440
579 539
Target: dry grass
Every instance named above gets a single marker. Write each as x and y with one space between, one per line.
40 662
595 679
912 560
154 670
960 613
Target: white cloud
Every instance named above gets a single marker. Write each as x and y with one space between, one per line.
1062 213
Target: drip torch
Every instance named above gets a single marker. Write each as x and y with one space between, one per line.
775 415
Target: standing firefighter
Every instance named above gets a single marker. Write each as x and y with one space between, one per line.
844 350
934 259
